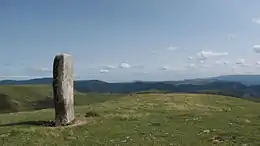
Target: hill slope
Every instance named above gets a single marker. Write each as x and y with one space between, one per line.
16 98
143 119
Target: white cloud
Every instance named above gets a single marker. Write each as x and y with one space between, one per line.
37 71
221 62
257 63
138 66
43 69
154 52
175 69
110 67
202 61
256 20
241 61
226 62
103 71
218 62
166 68
40 69
207 54
190 58
191 65
205 65
256 48
172 48
125 65
231 36
185 49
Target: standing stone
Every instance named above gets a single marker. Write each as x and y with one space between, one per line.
63 86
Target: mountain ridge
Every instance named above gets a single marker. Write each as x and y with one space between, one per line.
244 79
214 85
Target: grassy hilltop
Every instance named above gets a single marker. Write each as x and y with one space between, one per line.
138 119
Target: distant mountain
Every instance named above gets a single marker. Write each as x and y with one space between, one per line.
27 82
232 85
244 79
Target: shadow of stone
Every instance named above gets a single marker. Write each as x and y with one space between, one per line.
31 123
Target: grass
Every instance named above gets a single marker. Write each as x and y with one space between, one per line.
142 119
34 97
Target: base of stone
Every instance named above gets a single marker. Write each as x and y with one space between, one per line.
66 124
79 120
78 123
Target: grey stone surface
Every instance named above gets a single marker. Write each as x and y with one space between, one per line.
63 88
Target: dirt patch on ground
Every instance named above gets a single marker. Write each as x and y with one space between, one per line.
79 122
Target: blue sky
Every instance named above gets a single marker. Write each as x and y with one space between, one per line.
129 40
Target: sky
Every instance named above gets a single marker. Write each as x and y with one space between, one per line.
129 40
